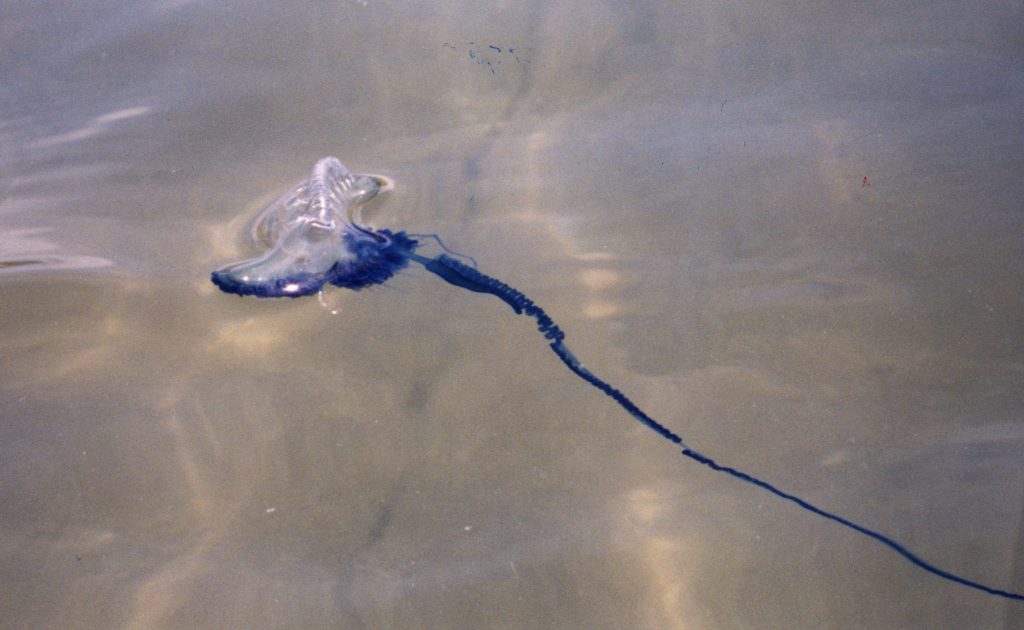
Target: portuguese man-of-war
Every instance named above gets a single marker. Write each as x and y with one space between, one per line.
313 241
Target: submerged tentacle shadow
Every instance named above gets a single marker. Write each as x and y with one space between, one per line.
314 241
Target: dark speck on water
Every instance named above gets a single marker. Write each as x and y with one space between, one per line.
487 55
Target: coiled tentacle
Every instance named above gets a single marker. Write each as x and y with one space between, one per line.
462 275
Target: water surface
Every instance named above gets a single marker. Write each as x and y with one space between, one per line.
792 234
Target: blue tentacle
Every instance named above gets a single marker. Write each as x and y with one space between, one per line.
462 275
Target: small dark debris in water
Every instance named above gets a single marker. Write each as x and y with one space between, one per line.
489 55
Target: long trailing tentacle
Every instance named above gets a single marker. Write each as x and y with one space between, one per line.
462 275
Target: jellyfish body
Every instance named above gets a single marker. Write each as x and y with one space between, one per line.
313 240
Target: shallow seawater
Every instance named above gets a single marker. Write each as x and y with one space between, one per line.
793 235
